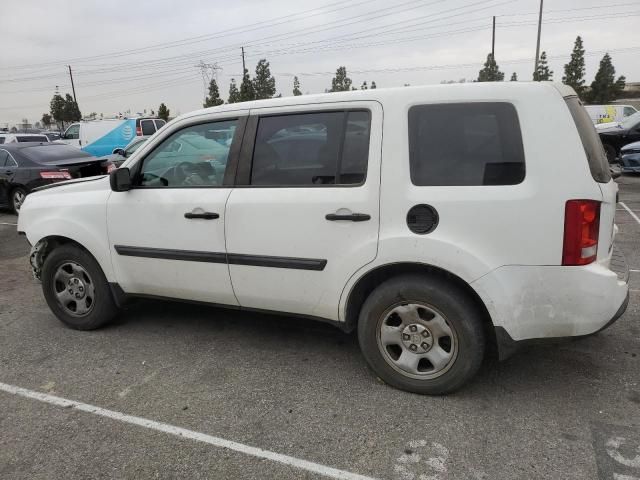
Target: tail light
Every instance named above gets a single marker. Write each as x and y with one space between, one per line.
139 131
60 175
581 228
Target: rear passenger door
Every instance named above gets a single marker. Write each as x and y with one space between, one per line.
303 216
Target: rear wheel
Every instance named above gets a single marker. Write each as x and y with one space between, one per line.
76 289
18 195
421 334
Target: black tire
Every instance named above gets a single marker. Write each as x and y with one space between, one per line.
460 313
15 206
102 308
611 153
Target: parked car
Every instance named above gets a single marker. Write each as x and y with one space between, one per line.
101 137
52 136
620 134
119 155
26 166
431 230
630 158
22 137
602 114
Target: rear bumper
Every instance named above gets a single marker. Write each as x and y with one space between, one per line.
545 302
507 346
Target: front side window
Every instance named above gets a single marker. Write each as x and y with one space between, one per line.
159 124
148 127
191 157
73 132
311 149
465 144
628 111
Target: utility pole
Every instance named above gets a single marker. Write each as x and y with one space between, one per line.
493 39
243 68
535 67
73 88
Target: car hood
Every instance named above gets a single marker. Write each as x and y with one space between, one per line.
605 127
631 146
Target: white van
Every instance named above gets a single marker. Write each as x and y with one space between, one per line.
432 220
609 113
102 137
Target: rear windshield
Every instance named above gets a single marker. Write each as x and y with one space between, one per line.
596 157
31 138
53 152
148 127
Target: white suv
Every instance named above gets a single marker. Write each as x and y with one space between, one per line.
431 219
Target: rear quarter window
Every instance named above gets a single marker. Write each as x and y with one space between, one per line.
465 144
598 164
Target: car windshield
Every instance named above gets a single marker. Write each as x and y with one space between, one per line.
133 147
631 121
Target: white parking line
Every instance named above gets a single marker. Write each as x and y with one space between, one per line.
635 217
4 223
184 433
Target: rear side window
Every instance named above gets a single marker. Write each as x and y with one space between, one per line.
148 127
4 156
591 143
1 140
312 149
465 144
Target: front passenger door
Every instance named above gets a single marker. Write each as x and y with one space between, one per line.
167 232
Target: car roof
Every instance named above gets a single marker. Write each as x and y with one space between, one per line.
509 90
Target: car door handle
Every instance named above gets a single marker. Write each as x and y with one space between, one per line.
204 215
353 217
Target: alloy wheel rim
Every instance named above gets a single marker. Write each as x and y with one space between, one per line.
417 341
74 289
18 199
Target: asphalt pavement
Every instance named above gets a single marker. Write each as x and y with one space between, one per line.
181 391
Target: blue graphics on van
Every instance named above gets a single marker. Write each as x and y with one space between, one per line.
119 137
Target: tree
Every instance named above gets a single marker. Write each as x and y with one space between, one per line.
213 100
37 125
163 112
574 70
264 85
234 93
296 87
604 87
364 86
514 77
56 107
341 83
71 112
373 85
491 72
247 92
46 120
542 73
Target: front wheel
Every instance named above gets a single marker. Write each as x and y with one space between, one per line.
76 289
611 153
421 334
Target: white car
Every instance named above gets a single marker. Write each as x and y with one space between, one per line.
23 137
432 220
607 114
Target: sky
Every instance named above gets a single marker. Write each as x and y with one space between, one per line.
131 56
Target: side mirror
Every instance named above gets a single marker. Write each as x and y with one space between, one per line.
120 180
119 151
63 136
